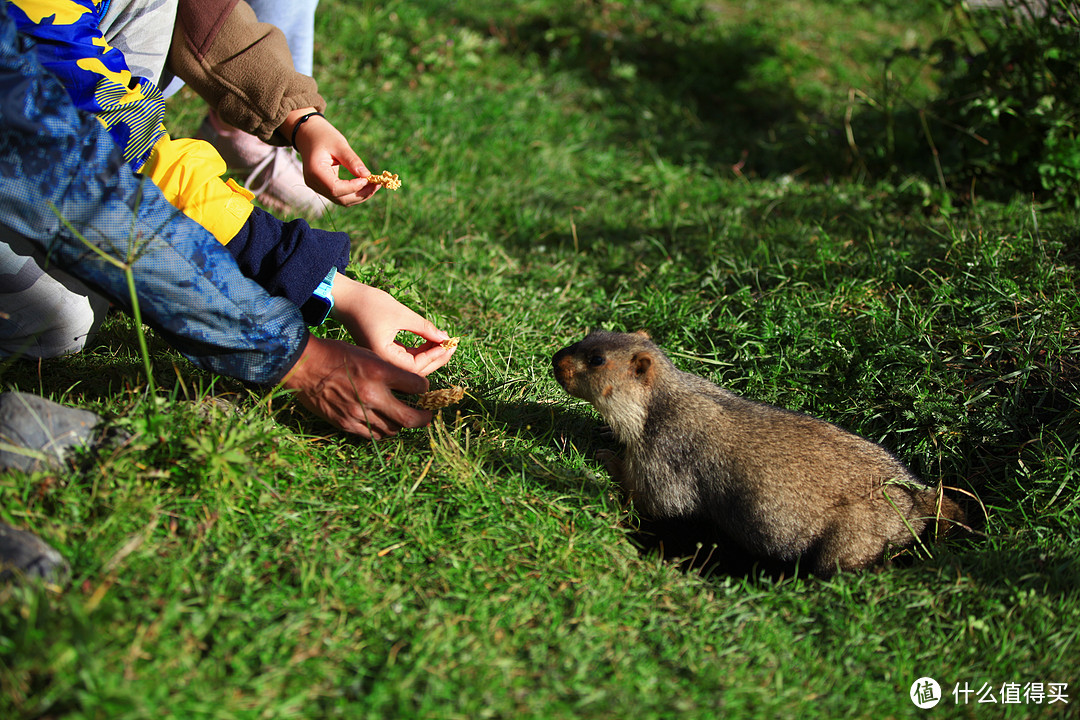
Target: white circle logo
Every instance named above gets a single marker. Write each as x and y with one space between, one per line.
925 693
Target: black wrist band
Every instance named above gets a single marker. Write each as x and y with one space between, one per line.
300 122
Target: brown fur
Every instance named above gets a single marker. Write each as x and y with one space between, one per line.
783 485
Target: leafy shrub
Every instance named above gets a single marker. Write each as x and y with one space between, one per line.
1020 91
1004 118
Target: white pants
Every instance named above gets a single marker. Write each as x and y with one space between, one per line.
43 314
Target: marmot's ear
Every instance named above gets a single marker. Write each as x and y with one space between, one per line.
642 367
643 334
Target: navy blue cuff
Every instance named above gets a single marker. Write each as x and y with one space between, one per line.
289 259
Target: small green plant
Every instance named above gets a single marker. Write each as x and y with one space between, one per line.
130 254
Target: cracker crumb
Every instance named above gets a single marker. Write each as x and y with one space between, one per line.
451 343
435 399
387 179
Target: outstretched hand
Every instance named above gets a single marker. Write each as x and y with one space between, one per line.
324 151
351 388
374 319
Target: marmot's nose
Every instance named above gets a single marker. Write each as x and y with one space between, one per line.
562 367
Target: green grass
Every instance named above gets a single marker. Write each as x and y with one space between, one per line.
567 166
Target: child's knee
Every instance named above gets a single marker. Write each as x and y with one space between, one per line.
43 318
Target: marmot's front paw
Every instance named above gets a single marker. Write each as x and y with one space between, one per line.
611 461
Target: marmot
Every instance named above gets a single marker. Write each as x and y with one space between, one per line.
783 485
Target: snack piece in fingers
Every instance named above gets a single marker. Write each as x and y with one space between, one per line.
387 179
436 399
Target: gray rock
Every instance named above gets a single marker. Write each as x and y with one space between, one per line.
36 433
25 554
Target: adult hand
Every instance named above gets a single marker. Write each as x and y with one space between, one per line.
374 319
351 388
324 151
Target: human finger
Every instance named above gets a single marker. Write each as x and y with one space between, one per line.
417 324
324 179
430 357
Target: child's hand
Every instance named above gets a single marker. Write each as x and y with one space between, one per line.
324 150
374 319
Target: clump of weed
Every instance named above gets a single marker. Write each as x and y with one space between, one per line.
1003 117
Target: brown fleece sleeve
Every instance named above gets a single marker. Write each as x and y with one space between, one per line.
203 20
240 66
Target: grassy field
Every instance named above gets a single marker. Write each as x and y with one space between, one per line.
708 172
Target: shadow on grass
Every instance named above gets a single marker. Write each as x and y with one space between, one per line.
689 85
1045 572
683 93
111 366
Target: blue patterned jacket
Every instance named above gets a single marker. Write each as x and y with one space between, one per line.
67 196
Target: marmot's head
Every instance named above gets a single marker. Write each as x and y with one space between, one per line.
613 371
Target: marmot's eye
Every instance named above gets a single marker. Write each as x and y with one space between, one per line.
596 360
